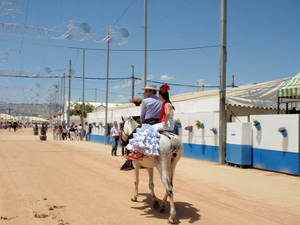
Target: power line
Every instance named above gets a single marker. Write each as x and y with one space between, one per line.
58 77
124 12
103 78
116 50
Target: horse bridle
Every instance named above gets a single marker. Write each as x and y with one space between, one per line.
124 134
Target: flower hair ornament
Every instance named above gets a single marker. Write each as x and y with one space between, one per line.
164 88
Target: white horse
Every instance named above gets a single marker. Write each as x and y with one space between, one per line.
171 150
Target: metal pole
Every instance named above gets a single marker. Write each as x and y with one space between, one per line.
64 96
61 95
69 100
106 88
95 94
82 106
132 82
145 43
57 103
278 106
222 115
233 81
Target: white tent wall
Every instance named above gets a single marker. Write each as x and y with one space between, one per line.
112 115
202 136
204 106
197 105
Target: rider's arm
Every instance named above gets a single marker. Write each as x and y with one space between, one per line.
168 109
143 112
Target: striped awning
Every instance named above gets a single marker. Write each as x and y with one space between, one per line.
291 88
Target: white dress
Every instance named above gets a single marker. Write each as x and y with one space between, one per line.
146 138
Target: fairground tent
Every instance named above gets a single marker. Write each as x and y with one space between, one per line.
261 95
291 88
289 94
251 99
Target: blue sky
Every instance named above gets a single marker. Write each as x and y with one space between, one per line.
263 44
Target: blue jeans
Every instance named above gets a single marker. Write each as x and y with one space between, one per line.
115 140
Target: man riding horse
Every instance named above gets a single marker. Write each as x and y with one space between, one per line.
151 149
150 114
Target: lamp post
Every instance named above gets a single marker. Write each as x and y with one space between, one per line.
222 113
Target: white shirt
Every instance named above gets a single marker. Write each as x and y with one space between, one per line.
114 131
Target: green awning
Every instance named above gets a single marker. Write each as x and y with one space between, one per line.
291 88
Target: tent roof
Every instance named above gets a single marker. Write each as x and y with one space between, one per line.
291 88
261 95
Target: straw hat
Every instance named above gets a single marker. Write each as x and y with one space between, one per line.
150 87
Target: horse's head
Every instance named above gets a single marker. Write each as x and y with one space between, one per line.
127 127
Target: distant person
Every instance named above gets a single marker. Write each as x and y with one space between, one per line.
123 144
90 128
114 138
15 125
64 132
79 132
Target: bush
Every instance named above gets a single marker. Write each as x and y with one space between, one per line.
177 122
43 130
199 124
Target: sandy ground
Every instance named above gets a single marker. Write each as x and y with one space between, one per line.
80 183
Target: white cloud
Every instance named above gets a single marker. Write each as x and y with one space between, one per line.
115 87
201 82
149 78
126 84
166 77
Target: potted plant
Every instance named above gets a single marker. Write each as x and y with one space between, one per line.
256 123
136 101
94 124
199 124
35 129
214 130
177 123
43 136
283 131
189 128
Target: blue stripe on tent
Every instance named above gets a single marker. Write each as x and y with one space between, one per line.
97 138
239 154
285 162
203 152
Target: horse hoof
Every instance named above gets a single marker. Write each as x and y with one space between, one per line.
162 209
171 221
134 199
155 204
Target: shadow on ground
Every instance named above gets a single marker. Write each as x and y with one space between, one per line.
184 210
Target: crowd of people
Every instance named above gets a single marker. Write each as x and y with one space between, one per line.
63 132
14 125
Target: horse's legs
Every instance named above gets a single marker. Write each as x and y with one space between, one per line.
169 189
151 187
136 182
171 174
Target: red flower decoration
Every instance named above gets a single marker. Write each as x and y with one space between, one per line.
164 88
189 128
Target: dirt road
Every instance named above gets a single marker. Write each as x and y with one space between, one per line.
80 183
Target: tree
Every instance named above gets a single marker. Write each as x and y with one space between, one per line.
76 109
